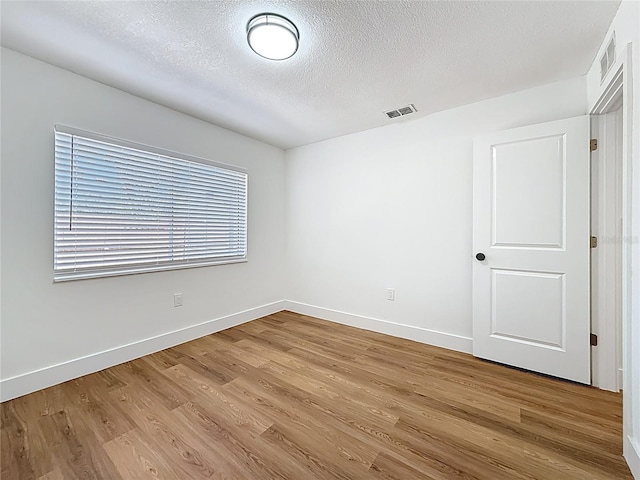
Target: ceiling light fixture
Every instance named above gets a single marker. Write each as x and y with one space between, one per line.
272 36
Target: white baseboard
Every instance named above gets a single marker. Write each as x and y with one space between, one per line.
422 335
46 377
632 456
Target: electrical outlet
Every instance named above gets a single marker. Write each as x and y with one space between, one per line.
177 299
391 294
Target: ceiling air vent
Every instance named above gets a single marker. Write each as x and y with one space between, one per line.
401 111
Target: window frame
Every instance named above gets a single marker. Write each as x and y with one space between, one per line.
139 269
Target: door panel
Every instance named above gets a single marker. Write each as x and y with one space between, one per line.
517 315
531 220
522 171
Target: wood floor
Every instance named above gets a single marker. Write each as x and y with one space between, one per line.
292 397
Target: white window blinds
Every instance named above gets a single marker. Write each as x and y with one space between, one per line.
120 208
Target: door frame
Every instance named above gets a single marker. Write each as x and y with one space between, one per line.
622 82
606 258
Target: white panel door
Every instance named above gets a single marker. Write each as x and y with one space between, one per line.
531 243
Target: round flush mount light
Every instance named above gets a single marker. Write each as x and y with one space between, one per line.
272 36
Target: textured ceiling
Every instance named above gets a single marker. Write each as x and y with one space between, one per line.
356 58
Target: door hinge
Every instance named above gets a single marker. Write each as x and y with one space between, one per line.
594 340
593 144
594 242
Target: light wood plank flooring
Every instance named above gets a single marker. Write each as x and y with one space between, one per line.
292 397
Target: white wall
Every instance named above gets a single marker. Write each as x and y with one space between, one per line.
44 324
626 26
391 207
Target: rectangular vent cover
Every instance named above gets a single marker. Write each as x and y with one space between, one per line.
608 58
401 111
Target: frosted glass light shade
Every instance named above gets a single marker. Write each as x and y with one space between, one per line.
272 36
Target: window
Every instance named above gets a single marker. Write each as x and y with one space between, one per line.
125 208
